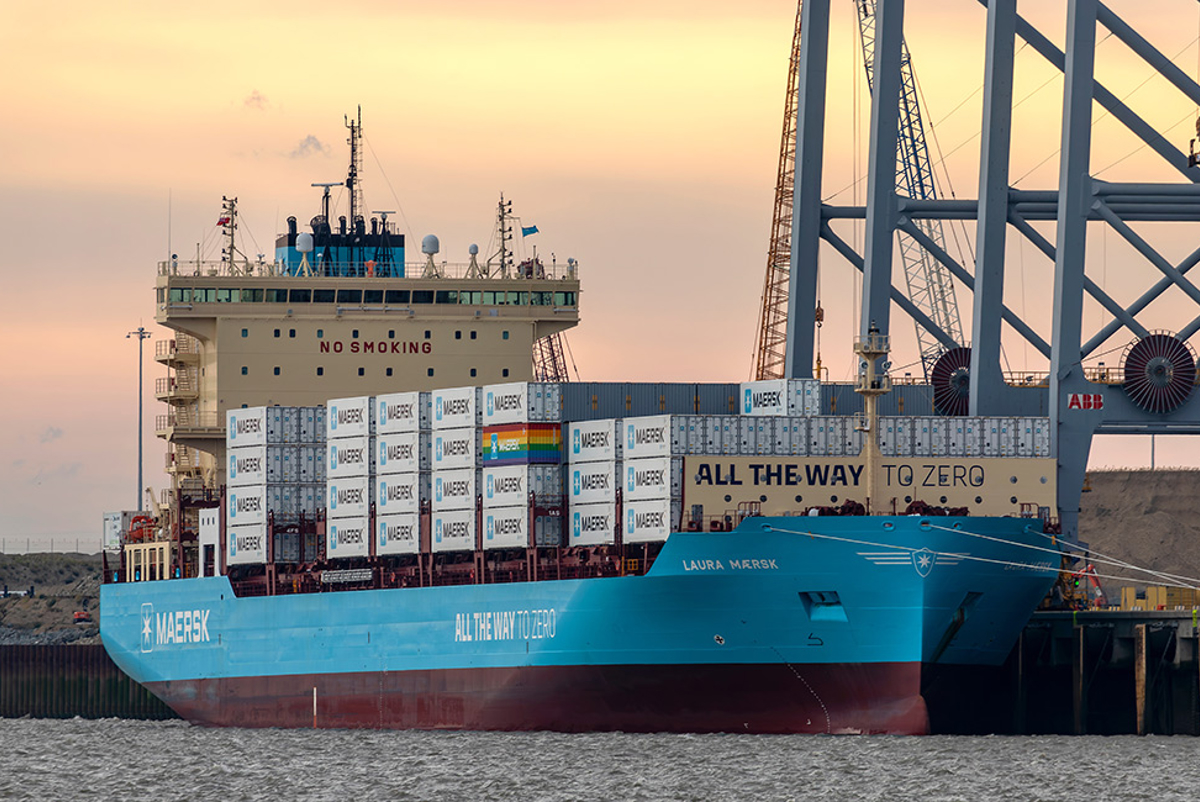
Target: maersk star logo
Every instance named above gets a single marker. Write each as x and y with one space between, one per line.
437 408
233 466
232 428
383 494
232 545
437 531
631 482
630 435
437 449
382 453
333 458
575 525
333 537
147 627
495 444
576 483
333 497
382 533
383 412
491 521
333 417
491 487
748 404
575 440
232 505
923 561
629 522
437 489
490 406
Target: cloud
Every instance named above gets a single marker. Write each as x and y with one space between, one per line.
51 434
56 475
309 146
256 101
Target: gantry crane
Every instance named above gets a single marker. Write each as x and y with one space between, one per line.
930 287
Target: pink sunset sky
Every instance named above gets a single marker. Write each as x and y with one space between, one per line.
641 138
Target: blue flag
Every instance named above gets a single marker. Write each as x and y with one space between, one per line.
527 230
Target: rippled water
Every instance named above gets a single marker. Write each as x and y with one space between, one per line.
111 759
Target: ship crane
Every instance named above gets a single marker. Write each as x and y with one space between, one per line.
930 287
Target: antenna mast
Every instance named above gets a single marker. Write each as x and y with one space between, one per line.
228 222
504 225
355 166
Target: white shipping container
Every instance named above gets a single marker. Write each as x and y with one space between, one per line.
939 435
522 402
246 544
506 528
347 536
116 524
922 437
399 413
791 436
312 463
398 533
401 492
348 457
246 427
313 425
648 436
728 432
805 397
401 452
507 486
592 441
246 505
990 432
453 530
781 397
283 424
650 520
653 477
455 448
1041 437
455 489
593 524
593 482
350 417
547 530
974 436
350 496
456 408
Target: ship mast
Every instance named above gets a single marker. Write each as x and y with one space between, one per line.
873 381
505 229
355 166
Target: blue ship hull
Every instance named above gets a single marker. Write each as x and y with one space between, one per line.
783 625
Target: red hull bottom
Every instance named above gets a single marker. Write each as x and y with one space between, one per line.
845 698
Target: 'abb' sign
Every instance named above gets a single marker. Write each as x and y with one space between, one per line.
1085 401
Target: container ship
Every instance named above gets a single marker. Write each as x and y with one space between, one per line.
389 509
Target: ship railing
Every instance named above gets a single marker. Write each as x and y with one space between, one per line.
414 270
187 419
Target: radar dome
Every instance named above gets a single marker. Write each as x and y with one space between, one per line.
473 250
430 245
304 242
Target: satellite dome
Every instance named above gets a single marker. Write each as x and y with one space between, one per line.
304 242
473 250
430 245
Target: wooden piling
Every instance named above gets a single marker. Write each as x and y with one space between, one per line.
1140 676
1079 680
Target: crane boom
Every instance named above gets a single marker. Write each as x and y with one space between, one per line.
770 347
930 287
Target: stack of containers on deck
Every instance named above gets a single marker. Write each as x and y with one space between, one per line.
592 452
350 443
401 461
782 417
521 456
276 466
652 477
455 447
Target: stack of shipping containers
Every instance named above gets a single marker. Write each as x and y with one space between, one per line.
653 475
276 467
401 461
522 465
455 458
592 452
350 442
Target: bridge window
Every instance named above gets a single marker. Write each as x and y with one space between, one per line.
349 296
396 297
204 296
252 296
564 299
276 296
323 296
372 296
447 296
473 297
300 296
422 296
